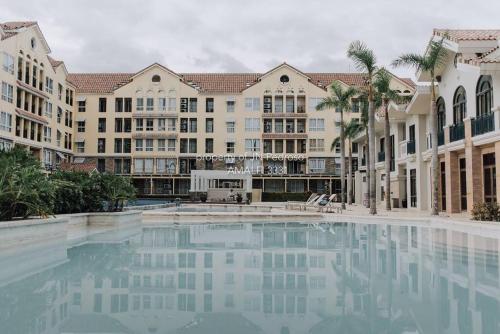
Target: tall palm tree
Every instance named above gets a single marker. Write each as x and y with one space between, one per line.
340 100
385 95
365 61
430 62
364 121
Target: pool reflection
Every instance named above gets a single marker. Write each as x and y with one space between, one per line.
272 278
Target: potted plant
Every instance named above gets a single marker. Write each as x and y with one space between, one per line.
239 198
203 197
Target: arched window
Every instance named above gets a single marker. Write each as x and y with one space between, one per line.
459 105
441 113
156 78
484 95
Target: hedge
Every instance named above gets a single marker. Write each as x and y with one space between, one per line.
283 197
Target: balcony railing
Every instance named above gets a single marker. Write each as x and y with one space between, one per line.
457 132
381 156
483 124
410 147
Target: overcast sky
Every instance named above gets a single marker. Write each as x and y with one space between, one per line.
240 36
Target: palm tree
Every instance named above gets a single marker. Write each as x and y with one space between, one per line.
433 59
339 100
365 61
385 94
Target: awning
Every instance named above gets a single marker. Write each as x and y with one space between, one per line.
79 140
230 119
231 99
60 155
80 119
230 140
81 98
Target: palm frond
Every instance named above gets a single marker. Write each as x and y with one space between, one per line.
364 59
335 143
414 60
327 103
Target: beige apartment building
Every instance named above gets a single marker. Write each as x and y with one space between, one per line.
469 130
157 125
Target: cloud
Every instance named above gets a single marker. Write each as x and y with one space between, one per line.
234 35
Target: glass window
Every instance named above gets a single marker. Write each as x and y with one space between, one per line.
252 104
484 95
459 105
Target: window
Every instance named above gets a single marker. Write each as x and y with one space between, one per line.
101 126
316 165
82 106
118 145
209 145
80 126
188 145
156 78
290 104
209 104
139 124
278 104
102 104
459 105
313 103
161 124
101 145
252 124
441 114
7 92
171 124
8 63
118 124
149 124
150 104
316 145
49 85
355 105
184 125
171 145
230 147
139 145
317 124
162 104
47 133
5 121
252 104
48 109
80 147
128 104
161 145
252 145
193 104
278 126
484 95
139 106
230 105
127 145
209 125
171 104
149 145
230 127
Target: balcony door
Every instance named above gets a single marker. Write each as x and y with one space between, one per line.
413 188
489 174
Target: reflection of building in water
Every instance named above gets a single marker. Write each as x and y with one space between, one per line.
272 278
275 276
444 281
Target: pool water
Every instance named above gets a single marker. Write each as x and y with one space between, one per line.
265 278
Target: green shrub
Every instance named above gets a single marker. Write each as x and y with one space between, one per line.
25 190
486 211
283 197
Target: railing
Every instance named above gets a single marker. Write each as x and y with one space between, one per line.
457 132
381 156
483 124
440 137
410 147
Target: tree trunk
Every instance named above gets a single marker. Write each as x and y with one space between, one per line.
349 174
388 150
434 159
371 140
342 160
367 169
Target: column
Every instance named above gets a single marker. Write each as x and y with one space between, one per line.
474 169
452 172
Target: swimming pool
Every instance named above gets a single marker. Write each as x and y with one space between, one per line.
218 208
265 278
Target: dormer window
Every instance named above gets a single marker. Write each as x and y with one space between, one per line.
156 78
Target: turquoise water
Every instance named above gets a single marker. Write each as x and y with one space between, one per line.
255 278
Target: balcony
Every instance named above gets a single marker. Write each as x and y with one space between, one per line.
457 132
381 156
483 124
440 138
410 147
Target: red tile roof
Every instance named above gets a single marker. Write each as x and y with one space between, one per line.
53 62
469 34
228 83
15 25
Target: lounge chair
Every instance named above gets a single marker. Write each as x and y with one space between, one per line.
330 205
290 205
315 203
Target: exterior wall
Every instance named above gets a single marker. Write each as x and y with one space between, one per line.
22 113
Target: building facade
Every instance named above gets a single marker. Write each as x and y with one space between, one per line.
468 130
157 125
